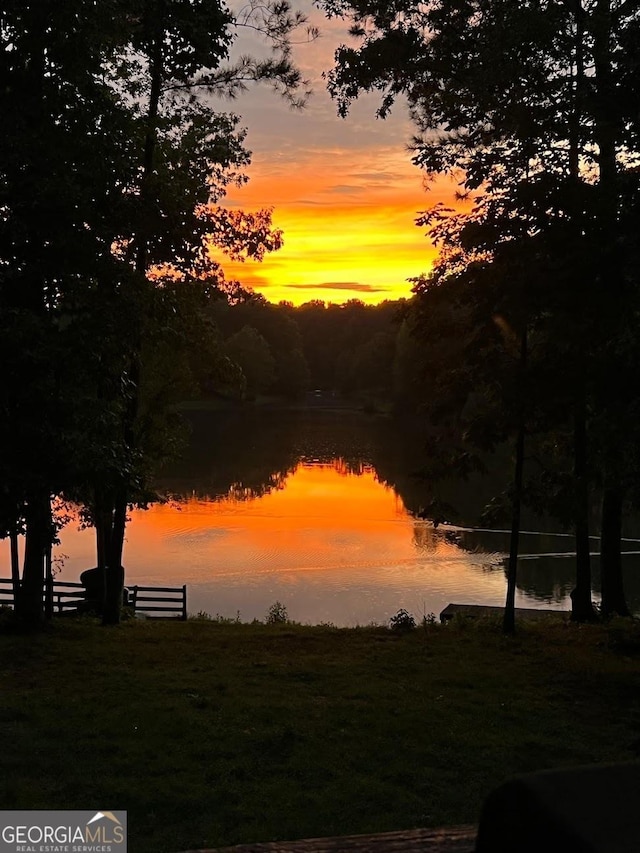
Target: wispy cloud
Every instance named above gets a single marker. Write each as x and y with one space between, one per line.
356 286
380 177
346 189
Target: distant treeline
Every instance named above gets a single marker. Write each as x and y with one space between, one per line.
353 350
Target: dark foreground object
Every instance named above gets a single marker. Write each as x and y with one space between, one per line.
453 839
474 610
582 810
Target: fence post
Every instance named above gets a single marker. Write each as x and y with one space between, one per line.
184 603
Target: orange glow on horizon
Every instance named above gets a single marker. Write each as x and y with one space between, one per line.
356 239
344 191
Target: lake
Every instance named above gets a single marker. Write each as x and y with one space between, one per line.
320 510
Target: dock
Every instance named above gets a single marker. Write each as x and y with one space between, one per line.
472 611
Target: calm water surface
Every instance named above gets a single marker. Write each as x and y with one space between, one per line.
332 546
319 511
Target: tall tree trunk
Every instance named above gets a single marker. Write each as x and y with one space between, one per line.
38 535
612 315
31 297
581 604
114 570
613 598
509 620
114 573
103 521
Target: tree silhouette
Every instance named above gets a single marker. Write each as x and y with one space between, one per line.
528 104
112 170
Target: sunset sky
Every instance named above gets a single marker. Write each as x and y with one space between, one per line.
344 192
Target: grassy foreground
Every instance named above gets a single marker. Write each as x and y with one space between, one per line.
213 734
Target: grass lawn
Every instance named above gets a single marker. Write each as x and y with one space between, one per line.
213 734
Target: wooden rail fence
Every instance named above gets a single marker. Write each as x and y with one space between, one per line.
171 603
152 602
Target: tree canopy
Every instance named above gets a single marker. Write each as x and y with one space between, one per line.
533 108
113 166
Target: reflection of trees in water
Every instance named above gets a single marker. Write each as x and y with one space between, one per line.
547 578
249 453
547 573
235 454
241 492
343 437
351 466
544 578
400 462
425 537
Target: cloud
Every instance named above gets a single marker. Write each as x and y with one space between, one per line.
346 189
339 285
381 177
248 278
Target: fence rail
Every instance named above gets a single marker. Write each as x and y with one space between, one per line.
6 591
152 602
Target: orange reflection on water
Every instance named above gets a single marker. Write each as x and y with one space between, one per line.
332 544
323 519
319 491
